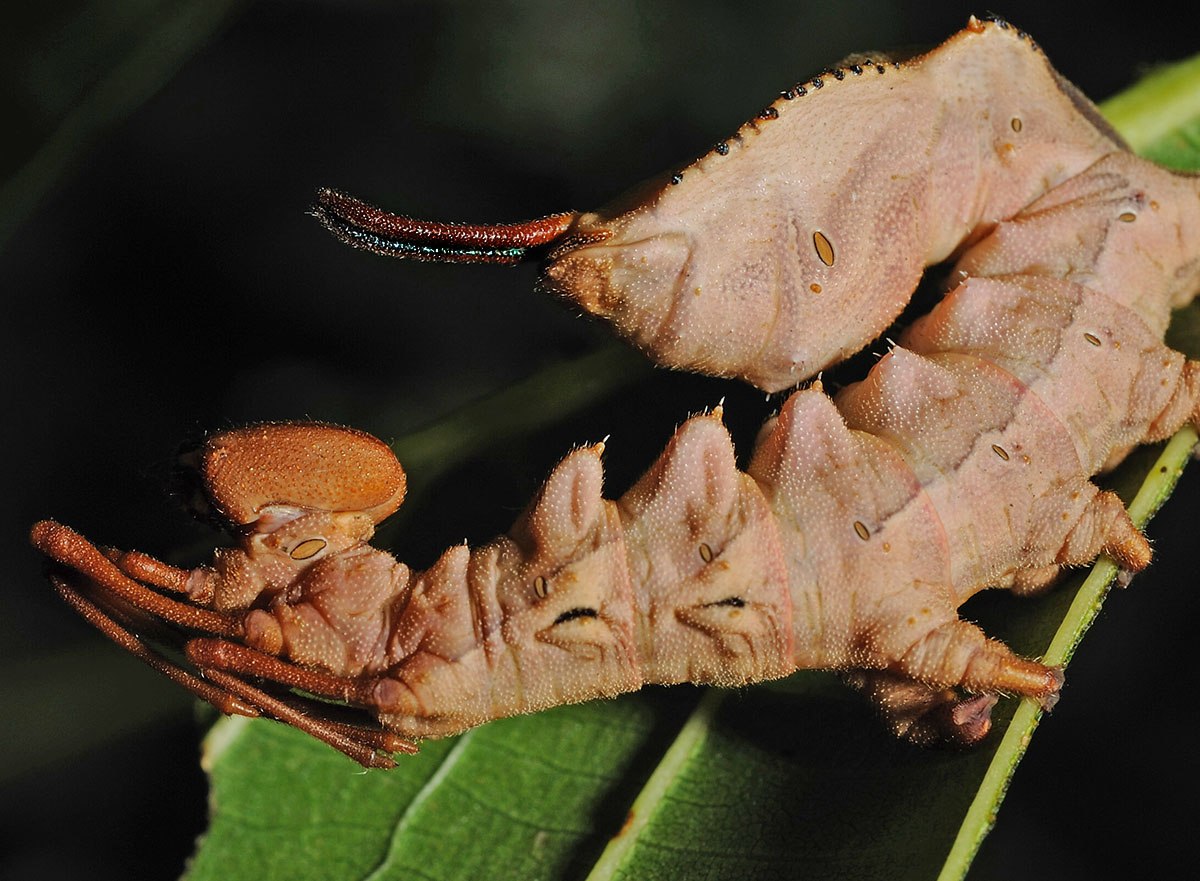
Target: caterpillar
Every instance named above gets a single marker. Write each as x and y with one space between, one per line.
863 520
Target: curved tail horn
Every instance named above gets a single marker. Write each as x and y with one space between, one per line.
364 226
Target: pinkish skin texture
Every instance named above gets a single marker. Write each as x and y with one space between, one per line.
720 273
962 461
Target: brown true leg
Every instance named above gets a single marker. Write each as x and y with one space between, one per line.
145 568
343 738
223 700
374 737
67 547
111 576
220 659
232 657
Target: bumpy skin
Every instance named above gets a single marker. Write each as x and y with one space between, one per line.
962 461
896 164
863 521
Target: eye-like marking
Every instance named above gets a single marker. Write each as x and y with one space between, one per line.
731 602
824 247
308 548
577 612
541 587
706 552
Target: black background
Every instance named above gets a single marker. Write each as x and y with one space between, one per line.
165 280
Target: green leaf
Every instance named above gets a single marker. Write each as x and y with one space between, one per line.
792 779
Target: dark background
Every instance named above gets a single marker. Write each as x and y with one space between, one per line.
161 278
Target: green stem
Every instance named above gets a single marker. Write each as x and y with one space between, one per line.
687 741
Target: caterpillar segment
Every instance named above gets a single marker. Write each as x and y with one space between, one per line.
863 520
831 202
861 524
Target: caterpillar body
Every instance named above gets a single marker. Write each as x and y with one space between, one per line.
863 521
832 201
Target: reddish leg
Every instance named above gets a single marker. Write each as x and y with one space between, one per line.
226 663
223 700
345 739
145 568
232 657
219 660
392 235
63 545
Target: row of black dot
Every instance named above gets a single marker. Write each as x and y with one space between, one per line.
799 90
1004 26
